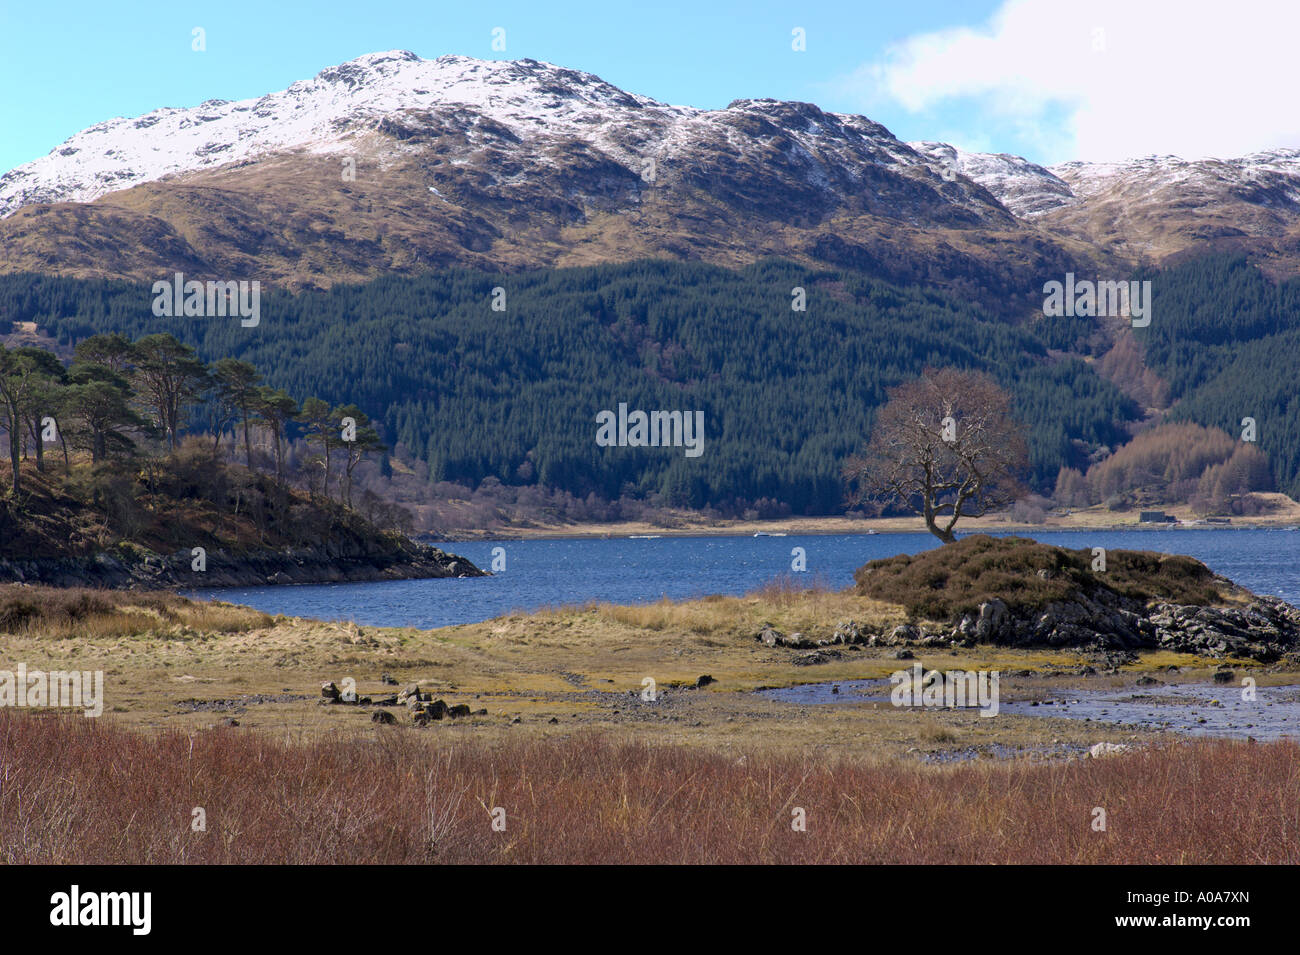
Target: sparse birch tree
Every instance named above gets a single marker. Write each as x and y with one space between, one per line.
945 446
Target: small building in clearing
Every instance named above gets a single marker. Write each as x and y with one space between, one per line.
1155 517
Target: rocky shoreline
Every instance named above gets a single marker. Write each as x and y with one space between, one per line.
1263 629
136 568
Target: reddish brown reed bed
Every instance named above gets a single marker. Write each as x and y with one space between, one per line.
73 790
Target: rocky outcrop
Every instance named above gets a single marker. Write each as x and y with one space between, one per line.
1021 593
1263 628
139 568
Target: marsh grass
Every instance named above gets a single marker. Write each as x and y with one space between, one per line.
80 791
59 613
784 601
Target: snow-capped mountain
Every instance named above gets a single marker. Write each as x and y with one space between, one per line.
323 115
1026 189
395 163
532 100
1029 190
1270 168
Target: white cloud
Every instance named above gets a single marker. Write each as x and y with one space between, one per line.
1113 79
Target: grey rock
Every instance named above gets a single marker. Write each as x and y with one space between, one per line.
815 657
904 633
847 632
990 621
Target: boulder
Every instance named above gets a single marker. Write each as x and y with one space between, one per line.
437 709
329 692
1100 750
815 657
991 620
383 716
798 641
904 633
847 632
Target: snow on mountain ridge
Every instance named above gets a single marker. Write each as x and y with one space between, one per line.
331 111
318 114
399 91
1088 180
1029 190
1025 188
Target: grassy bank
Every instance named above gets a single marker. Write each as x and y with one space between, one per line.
174 664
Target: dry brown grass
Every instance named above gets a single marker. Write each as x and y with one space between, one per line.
783 602
59 613
77 791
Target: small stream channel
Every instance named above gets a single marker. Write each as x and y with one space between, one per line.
1193 709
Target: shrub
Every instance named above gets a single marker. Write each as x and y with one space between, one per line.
948 581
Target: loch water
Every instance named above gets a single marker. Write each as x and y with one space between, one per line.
557 572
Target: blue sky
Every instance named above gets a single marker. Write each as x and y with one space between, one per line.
1036 77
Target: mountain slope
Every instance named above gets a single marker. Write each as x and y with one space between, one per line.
394 163
1154 207
482 107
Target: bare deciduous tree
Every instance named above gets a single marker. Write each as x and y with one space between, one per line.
945 446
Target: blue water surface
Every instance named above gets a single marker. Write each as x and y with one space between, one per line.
541 573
